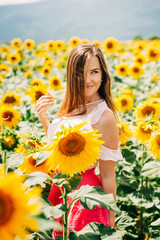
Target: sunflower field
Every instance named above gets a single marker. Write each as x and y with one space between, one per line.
29 70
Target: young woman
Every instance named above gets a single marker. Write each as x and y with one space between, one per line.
88 97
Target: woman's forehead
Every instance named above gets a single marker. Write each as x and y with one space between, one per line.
92 63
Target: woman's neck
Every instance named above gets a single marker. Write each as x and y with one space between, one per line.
92 99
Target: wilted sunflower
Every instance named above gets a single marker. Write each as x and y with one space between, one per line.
35 92
153 54
16 42
144 129
29 145
122 69
147 108
154 145
9 116
29 44
127 91
156 77
50 45
4 69
124 103
13 58
30 165
110 45
9 140
46 70
74 150
11 99
18 208
125 133
136 71
55 83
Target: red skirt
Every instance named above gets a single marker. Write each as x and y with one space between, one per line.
78 216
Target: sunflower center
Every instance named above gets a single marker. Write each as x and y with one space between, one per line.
38 95
153 53
9 99
28 44
55 82
139 60
109 45
135 69
122 69
7 116
6 208
148 110
158 140
124 102
147 130
33 162
13 58
72 145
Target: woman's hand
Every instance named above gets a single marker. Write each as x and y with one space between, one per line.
43 103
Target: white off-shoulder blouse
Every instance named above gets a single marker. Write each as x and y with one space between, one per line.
92 115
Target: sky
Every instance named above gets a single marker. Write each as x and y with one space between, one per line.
44 20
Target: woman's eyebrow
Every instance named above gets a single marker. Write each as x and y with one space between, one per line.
92 69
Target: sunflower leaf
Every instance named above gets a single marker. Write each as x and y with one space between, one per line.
54 211
42 157
94 196
37 178
14 159
151 169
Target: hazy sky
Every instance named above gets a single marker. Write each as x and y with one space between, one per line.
91 19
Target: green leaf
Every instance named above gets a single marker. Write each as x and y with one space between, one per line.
156 223
94 196
14 159
129 155
45 225
37 178
123 221
42 157
54 211
151 169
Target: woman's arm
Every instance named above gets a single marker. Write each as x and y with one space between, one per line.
41 107
108 127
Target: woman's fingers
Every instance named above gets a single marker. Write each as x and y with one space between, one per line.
43 103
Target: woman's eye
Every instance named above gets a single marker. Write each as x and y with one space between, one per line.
95 71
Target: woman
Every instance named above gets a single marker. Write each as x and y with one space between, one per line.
88 97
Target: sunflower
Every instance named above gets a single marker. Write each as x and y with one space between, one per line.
125 132
38 82
46 70
156 77
154 145
127 91
1 79
146 109
33 63
97 43
11 99
124 103
141 59
13 58
153 54
74 41
4 69
18 208
140 45
59 45
144 130
9 140
35 92
84 41
9 116
50 45
16 42
31 144
154 95
55 83
28 75
29 44
122 69
74 150
136 71
110 45
30 165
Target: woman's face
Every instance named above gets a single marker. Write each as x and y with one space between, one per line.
93 77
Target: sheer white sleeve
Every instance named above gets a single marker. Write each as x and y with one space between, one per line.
110 154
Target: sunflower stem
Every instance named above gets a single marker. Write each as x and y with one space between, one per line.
65 225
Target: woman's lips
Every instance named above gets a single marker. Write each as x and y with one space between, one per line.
89 86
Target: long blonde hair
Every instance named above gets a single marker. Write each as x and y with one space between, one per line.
75 89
